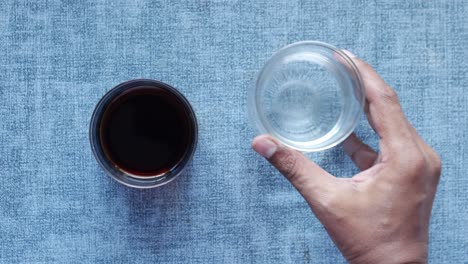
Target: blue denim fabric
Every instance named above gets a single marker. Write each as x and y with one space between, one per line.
57 58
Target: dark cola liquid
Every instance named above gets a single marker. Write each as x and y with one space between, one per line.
146 131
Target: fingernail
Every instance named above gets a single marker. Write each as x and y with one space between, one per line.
265 147
349 53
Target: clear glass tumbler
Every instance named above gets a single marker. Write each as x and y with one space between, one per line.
309 95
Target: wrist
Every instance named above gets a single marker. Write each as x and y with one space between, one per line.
393 253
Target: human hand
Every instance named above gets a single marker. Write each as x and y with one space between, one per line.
380 215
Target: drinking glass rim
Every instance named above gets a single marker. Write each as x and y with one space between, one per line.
261 124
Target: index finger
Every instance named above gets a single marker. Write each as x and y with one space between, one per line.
383 108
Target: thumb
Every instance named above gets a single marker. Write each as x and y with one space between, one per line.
312 182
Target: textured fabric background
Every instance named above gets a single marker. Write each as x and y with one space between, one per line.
57 58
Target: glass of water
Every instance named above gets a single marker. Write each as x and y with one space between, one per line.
309 96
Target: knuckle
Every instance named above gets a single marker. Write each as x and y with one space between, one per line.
418 163
422 164
436 163
438 166
413 162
